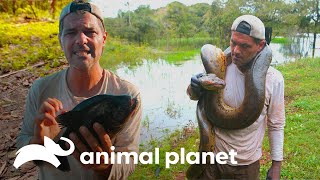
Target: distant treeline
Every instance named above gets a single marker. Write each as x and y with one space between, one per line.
176 20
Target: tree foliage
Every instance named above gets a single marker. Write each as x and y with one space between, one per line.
178 21
32 8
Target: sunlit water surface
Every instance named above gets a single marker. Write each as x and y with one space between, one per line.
166 106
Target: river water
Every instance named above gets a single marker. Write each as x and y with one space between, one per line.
300 48
166 106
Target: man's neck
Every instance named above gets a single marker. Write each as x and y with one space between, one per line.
85 83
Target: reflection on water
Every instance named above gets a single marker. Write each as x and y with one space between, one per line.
163 90
166 106
300 47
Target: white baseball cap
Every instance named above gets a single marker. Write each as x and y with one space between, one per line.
81 5
250 25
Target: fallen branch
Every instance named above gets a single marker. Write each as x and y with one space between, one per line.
14 72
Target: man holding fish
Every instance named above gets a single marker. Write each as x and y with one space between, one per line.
82 37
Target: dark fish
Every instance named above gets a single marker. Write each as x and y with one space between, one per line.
111 111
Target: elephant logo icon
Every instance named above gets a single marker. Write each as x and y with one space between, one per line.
47 152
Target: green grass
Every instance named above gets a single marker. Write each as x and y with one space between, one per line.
121 52
280 40
177 44
179 56
172 143
302 132
25 44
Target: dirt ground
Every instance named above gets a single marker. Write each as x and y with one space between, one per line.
14 89
13 92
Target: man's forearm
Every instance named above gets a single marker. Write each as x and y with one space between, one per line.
103 174
276 140
276 163
274 171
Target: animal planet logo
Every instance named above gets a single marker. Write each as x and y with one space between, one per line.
45 153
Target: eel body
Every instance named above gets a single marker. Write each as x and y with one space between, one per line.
217 111
213 111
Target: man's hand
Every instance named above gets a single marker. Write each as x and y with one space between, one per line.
45 122
274 171
195 89
103 169
201 82
211 82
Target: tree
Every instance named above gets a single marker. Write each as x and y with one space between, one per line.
314 15
144 23
219 20
179 18
309 18
197 12
283 16
31 8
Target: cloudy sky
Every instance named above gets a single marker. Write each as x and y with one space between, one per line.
110 8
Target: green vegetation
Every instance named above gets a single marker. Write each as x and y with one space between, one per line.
32 9
28 35
280 40
179 56
121 52
302 133
172 143
31 28
181 43
24 44
178 21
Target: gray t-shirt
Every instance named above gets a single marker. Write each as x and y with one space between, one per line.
55 86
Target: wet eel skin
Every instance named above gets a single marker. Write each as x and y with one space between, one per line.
217 111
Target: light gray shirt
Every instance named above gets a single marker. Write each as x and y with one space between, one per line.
55 86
